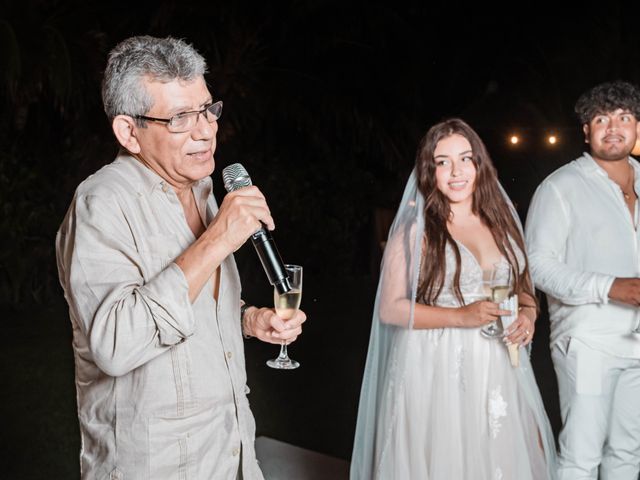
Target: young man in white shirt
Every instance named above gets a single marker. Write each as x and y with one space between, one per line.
584 250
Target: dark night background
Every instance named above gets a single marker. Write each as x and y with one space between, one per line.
325 102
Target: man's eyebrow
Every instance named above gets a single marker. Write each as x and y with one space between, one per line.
187 108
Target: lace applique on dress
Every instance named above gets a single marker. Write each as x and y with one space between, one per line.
498 475
458 373
497 409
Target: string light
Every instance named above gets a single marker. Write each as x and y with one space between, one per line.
514 140
552 139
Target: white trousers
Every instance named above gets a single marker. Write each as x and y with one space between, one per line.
600 409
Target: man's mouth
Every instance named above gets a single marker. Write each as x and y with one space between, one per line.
201 154
613 139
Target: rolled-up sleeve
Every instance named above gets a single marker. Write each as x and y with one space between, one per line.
547 230
128 316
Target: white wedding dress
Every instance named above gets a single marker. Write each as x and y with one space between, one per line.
458 409
443 404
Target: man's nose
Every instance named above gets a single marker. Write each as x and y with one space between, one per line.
203 129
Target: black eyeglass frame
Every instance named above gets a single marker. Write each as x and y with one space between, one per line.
169 121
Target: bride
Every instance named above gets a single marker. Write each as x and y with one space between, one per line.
439 400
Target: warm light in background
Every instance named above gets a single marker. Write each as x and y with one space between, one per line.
636 149
514 139
552 139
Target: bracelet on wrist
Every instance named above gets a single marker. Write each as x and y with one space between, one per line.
243 310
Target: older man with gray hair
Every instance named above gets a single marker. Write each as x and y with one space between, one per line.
145 261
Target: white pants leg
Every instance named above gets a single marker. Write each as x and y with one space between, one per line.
621 459
600 409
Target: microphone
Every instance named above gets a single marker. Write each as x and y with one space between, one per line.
235 176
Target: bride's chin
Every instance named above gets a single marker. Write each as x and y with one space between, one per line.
460 198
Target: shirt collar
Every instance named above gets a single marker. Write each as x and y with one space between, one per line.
148 180
590 166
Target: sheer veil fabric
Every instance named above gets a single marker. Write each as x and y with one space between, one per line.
442 403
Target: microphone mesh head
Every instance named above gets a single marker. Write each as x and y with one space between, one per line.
234 177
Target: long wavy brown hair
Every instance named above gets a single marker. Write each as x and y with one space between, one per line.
487 202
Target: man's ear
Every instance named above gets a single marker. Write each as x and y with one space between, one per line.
125 131
585 129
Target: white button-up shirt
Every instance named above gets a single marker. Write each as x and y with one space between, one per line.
160 394
580 236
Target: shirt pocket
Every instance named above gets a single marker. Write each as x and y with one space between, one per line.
588 367
202 445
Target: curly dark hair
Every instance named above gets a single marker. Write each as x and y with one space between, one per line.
608 97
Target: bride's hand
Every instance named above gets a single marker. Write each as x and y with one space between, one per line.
479 313
520 331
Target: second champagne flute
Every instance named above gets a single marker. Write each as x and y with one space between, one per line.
286 305
500 289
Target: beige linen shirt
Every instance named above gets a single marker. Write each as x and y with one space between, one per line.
161 382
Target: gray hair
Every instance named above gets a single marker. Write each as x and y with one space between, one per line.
160 59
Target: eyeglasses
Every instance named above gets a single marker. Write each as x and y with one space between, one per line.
183 122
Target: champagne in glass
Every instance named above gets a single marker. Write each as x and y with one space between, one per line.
486 284
286 305
501 280
499 293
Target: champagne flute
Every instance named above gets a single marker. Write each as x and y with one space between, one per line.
286 306
486 284
501 279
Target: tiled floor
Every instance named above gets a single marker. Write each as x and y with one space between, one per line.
283 461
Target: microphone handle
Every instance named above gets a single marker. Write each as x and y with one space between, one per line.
271 260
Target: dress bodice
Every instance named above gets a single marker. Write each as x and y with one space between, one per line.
470 276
